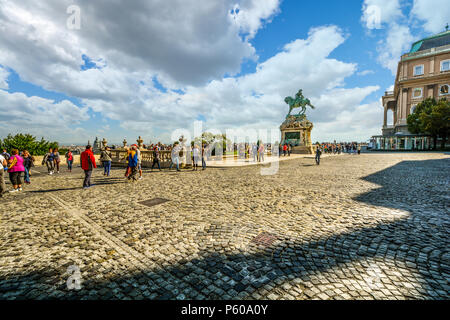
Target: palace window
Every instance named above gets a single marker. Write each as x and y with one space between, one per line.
417 93
413 108
443 90
445 65
418 70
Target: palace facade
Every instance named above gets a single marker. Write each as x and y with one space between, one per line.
422 73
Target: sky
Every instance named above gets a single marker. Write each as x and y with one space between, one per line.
73 70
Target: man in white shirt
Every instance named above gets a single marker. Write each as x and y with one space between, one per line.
3 164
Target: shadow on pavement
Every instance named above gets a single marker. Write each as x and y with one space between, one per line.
418 242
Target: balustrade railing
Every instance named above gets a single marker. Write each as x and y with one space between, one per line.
119 158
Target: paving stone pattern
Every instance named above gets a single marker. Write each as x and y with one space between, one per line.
374 226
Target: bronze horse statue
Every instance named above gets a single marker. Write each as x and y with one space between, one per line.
299 102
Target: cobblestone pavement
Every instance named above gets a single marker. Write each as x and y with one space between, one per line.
374 226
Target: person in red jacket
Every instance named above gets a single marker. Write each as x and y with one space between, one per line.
88 164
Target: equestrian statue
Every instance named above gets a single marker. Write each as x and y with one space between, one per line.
299 102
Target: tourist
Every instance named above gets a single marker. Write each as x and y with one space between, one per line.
261 152
127 171
318 154
175 156
203 157
156 157
3 166
139 156
69 160
16 169
133 161
106 158
359 149
6 155
255 152
284 150
28 162
49 159
57 159
195 157
289 149
87 164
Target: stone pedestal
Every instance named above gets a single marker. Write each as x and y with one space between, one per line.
296 131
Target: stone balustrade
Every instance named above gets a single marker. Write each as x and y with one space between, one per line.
119 158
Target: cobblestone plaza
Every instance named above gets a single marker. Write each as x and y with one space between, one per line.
374 226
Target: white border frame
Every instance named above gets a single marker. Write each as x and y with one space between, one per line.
421 93
442 64
414 70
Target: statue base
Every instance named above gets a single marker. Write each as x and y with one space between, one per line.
296 131
302 150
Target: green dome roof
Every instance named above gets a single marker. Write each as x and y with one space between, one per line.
438 40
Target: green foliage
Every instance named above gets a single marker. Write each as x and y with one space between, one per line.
431 117
27 142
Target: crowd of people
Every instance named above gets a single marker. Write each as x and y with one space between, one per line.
18 164
342 147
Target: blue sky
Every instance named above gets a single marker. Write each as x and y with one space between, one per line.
149 77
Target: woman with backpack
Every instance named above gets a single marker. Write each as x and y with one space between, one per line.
106 158
49 159
28 162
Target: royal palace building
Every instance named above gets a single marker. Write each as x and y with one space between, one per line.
422 73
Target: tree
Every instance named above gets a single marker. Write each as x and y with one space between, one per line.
27 142
433 118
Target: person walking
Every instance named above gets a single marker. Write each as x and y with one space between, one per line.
139 156
3 166
156 158
359 149
261 152
69 160
318 154
133 162
106 158
57 159
175 156
203 157
284 150
195 158
255 152
48 160
28 162
5 154
16 170
87 164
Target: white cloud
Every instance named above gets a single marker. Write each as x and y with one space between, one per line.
39 116
182 44
4 74
185 42
365 72
434 13
398 41
254 100
249 15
